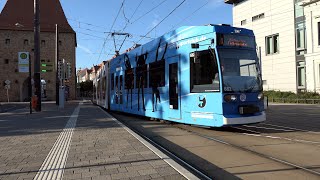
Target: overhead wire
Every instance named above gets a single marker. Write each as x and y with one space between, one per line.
148 12
128 21
195 11
163 19
104 43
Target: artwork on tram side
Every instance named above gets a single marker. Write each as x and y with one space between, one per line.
141 73
129 78
157 79
202 75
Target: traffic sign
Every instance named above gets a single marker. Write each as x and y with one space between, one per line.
7 81
24 59
7 86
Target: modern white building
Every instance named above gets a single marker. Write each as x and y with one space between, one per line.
312 16
280 31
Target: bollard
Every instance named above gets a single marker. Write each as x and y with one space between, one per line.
34 101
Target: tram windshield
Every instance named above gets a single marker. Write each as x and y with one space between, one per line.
240 70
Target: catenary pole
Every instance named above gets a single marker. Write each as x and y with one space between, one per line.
37 79
56 64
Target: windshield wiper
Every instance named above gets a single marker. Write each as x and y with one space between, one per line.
253 85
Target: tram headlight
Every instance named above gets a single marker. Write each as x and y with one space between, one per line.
260 96
230 98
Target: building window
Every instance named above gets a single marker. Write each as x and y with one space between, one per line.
259 16
243 22
298 9
301 69
43 42
319 72
6 61
319 33
8 41
26 42
301 36
272 44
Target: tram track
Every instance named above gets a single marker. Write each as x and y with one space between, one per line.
255 132
171 154
215 139
228 138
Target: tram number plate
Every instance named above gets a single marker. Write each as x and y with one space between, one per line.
248 109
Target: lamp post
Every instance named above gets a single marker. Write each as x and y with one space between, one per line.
37 54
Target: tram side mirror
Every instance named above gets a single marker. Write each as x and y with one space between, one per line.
194 45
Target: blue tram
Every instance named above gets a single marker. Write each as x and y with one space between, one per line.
202 75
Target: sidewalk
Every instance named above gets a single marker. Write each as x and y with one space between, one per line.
78 142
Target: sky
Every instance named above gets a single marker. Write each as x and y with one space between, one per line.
143 20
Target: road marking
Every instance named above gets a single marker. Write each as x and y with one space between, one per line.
291 128
54 164
184 172
259 134
259 127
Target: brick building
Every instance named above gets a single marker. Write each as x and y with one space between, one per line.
16 35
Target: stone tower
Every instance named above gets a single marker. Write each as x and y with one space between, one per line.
16 35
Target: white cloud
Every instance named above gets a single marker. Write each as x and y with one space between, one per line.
215 3
87 50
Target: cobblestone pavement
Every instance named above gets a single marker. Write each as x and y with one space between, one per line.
99 148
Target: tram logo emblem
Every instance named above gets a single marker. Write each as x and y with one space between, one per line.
243 97
203 101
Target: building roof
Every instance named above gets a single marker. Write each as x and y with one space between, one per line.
22 12
82 72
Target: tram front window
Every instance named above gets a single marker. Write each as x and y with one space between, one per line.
204 76
240 70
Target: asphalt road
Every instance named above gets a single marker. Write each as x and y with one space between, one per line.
291 134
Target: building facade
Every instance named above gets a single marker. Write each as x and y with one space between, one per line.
16 35
280 31
83 75
312 16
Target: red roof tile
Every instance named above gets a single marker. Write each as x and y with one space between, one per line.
21 11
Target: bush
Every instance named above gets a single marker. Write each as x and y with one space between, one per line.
290 97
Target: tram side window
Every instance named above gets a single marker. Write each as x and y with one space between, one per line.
103 87
141 76
204 74
129 79
157 74
112 81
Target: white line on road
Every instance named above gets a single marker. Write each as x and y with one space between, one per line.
54 164
291 128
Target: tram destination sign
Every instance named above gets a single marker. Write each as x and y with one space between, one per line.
236 40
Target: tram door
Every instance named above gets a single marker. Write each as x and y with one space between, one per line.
174 88
119 89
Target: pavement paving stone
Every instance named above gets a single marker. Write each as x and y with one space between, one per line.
100 148
141 177
108 151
